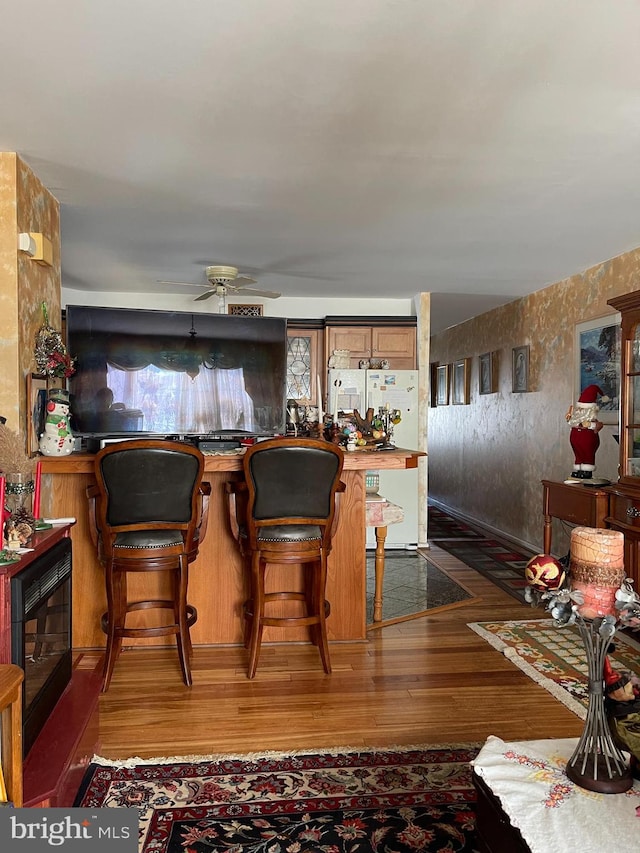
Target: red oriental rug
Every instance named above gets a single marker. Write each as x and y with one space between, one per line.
402 800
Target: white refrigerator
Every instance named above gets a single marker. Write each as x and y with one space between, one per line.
346 391
364 389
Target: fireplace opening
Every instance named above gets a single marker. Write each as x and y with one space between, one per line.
41 635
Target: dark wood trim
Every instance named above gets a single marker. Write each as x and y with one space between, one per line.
298 323
370 321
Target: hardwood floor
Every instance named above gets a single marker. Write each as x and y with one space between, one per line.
427 680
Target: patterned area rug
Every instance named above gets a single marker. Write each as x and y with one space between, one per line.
496 560
554 657
406 800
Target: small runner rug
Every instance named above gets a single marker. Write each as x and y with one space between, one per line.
441 525
498 561
402 800
554 657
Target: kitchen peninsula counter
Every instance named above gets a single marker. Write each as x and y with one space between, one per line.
217 583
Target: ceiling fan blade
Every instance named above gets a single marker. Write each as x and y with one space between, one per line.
246 278
206 295
250 291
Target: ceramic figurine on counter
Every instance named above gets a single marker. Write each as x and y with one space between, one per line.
57 439
13 537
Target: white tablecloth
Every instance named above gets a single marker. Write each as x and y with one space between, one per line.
553 814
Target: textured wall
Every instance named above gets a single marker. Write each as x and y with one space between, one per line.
487 459
9 377
25 206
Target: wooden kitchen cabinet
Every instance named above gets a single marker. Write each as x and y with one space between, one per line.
366 340
356 339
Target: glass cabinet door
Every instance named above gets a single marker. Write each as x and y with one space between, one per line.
631 379
303 365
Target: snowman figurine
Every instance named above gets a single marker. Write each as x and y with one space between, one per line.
57 439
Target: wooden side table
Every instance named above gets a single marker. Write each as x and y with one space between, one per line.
11 715
381 513
584 505
493 827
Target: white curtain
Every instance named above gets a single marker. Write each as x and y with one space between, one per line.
174 402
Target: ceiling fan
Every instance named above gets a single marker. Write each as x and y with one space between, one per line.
222 280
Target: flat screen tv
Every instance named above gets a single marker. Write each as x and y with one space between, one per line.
164 373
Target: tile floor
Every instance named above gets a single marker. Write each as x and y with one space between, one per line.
412 584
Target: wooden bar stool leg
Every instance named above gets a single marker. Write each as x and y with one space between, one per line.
258 568
381 535
323 644
182 637
116 615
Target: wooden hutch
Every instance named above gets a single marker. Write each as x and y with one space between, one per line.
624 496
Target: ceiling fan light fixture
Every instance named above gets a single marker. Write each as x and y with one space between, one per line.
220 274
221 293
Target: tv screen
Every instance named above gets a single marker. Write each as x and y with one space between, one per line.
175 373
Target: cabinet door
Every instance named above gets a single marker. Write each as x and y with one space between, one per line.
630 377
303 364
356 339
397 344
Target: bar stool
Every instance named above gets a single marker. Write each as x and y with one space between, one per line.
380 513
148 513
285 513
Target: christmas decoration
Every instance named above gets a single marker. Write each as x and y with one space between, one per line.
50 353
57 439
585 426
17 480
544 572
595 596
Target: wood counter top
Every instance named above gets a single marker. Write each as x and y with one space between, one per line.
358 460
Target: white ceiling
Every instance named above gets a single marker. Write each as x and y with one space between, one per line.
476 150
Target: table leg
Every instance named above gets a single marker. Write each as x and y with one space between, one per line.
547 534
381 535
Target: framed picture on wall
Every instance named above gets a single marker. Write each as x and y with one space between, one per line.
597 362
442 394
36 410
433 384
488 373
460 382
520 369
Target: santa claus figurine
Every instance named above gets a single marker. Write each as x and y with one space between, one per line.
585 426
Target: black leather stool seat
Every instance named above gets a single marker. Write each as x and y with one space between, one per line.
291 533
148 539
